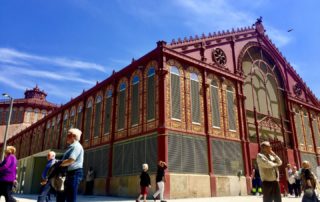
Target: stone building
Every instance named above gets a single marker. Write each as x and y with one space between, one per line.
25 111
203 104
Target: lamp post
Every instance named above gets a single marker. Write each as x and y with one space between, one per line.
8 123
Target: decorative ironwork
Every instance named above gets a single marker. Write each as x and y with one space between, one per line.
219 56
269 122
297 89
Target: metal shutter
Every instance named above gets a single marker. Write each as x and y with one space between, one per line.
151 98
231 115
298 124
187 154
174 153
107 120
308 130
117 160
226 157
195 101
64 134
316 131
121 109
128 158
175 96
152 153
201 156
139 156
87 123
135 104
215 106
97 121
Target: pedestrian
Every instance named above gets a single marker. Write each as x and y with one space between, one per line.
308 180
268 163
296 185
256 181
73 160
160 180
145 183
89 181
45 183
290 178
8 172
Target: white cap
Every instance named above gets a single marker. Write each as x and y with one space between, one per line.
265 143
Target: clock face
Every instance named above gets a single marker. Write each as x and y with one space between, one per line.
219 57
297 89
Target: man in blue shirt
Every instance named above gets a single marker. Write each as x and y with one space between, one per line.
46 186
73 160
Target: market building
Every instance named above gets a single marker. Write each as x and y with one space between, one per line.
203 104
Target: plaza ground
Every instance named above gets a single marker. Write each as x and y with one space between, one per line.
82 198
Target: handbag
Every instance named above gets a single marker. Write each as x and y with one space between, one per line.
309 192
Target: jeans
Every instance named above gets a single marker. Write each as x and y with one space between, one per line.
71 186
160 190
44 193
6 191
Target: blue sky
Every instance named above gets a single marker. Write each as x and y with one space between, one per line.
66 46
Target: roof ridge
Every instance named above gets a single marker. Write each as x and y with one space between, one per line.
210 35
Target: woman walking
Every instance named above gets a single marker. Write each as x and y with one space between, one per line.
144 183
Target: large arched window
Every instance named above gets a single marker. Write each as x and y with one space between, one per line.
97 116
151 96
121 106
195 98
264 92
72 117
214 88
135 101
107 112
28 115
175 93
87 123
65 127
36 115
13 115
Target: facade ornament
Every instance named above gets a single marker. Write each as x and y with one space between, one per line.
219 57
297 89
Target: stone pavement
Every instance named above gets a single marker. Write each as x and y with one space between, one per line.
82 198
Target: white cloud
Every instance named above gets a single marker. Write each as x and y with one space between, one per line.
16 57
12 83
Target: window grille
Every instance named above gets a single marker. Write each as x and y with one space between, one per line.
316 131
98 159
87 124
195 98
175 93
151 95
215 104
107 115
311 158
298 125
308 130
135 101
97 118
121 109
231 114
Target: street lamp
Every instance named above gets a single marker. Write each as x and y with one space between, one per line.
8 123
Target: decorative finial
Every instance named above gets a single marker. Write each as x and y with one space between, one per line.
259 26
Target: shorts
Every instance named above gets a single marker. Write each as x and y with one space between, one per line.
144 190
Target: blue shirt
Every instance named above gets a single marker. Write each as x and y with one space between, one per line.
45 171
75 152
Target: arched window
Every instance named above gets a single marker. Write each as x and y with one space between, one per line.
307 129
214 88
135 101
195 98
79 117
72 117
97 116
151 105
52 134
231 105
65 128
175 93
316 130
107 112
121 106
43 113
36 115
28 115
20 115
87 123
13 115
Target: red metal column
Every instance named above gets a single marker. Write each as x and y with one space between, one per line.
213 182
162 136
112 133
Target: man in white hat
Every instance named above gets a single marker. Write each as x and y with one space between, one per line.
268 163
73 160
